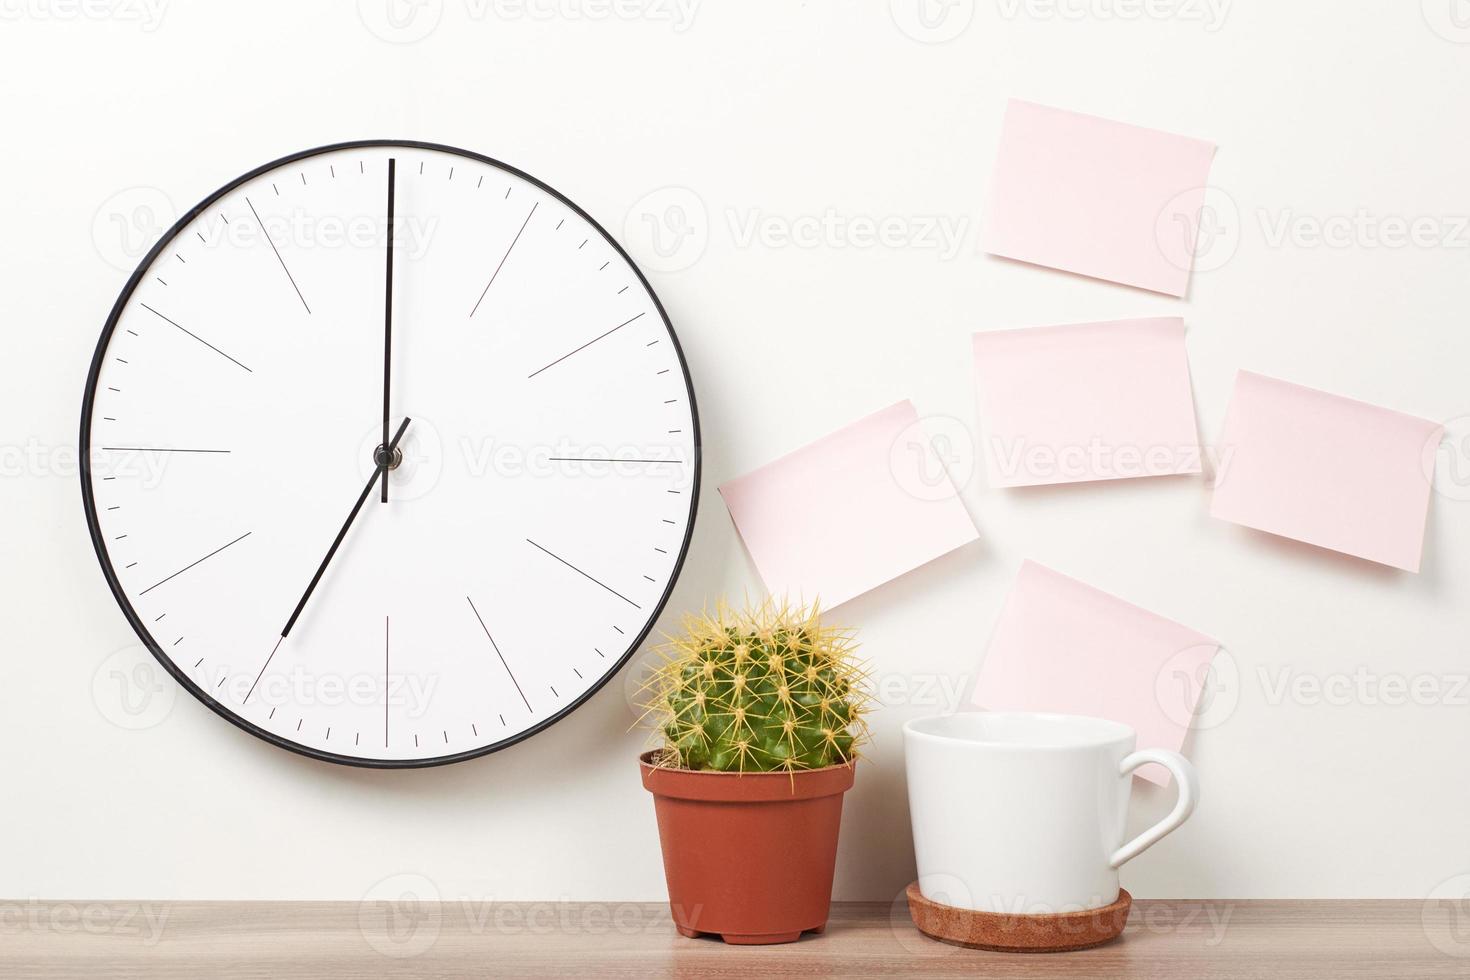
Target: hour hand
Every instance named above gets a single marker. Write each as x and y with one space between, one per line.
384 459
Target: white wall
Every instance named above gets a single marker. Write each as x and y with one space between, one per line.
1321 109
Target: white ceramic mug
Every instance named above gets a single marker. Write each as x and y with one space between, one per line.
1023 813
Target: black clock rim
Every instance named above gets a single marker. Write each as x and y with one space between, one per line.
90 508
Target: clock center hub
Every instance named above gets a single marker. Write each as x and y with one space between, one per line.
393 461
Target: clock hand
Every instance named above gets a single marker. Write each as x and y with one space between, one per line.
388 320
383 460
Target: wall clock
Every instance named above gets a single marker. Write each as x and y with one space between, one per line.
390 454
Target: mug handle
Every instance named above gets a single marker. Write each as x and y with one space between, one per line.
1188 784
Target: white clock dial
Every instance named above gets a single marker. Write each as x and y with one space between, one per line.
538 505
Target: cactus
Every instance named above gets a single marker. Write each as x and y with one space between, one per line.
765 689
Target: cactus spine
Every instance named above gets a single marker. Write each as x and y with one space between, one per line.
766 689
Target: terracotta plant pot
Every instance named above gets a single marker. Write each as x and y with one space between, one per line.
748 856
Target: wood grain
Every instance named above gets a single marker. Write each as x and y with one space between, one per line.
1177 940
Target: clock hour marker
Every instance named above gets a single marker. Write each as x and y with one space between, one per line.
505 256
584 574
278 253
194 335
193 563
584 346
496 647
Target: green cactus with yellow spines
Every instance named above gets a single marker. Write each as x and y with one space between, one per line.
765 689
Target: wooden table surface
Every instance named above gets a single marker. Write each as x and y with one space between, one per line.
1178 940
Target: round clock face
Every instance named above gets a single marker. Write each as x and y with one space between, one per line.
392 499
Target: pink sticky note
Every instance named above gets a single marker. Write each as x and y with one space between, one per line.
1086 401
1327 470
849 511
1097 197
1063 646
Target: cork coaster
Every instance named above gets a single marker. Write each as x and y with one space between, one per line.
1006 933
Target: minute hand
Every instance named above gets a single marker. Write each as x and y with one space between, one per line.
383 461
388 316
